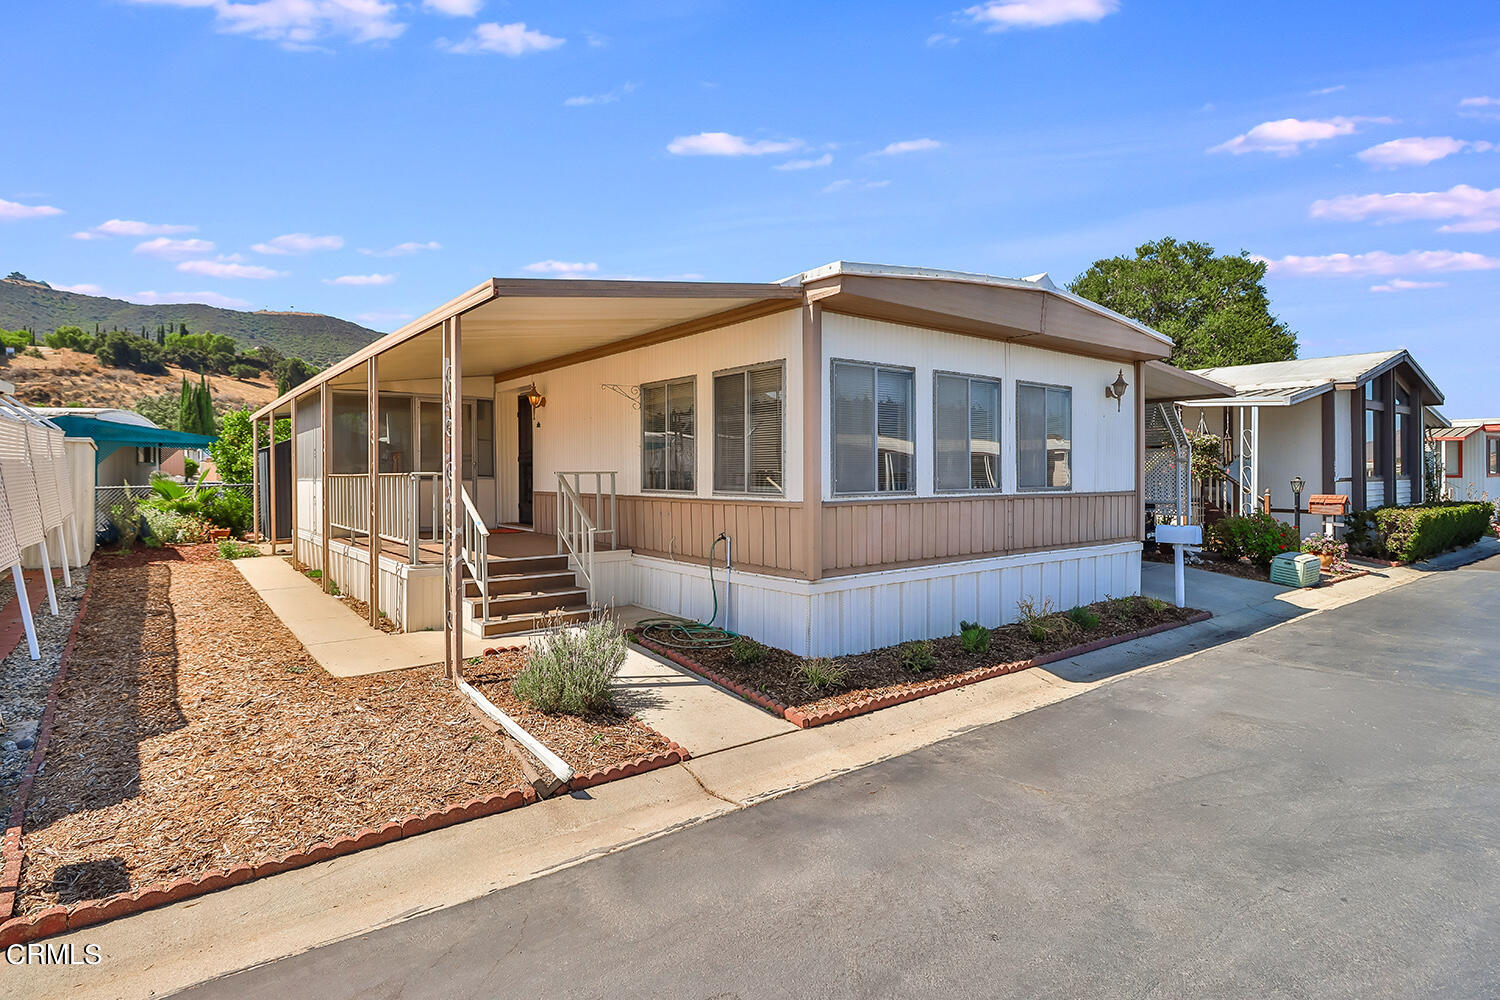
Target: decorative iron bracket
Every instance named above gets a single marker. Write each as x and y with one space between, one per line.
630 392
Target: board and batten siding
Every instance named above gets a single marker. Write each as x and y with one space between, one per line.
585 426
1104 446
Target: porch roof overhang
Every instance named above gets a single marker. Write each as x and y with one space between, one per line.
513 326
1166 384
1459 430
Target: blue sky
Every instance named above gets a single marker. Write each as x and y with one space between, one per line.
370 159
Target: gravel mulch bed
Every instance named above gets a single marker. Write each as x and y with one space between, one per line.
778 675
193 732
24 684
586 743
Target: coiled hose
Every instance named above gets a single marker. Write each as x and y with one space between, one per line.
680 634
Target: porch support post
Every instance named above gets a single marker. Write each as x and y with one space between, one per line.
812 435
255 476
292 416
1358 500
271 475
325 462
1254 457
1140 452
453 635
372 421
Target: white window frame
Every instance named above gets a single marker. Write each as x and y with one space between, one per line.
666 385
780 366
999 421
1072 470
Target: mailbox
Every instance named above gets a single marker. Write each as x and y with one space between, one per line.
1179 534
1328 504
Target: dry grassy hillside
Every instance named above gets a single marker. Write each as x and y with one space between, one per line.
63 377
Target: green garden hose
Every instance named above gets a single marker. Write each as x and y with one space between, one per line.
680 634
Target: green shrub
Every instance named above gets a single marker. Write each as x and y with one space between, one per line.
917 658
1034 619
172 528
1413 533
231 549
568 668
1259 537
973 637
126 516
1083 617
746 651
228 509
821 673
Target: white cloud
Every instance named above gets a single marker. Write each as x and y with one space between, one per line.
1418 151
454 8
1321 91
821 161
131 227
227 268
387 320
15 210
83 288
1379 263
506 39
299 24
909 146
298 243
1470 209
845 184
724 144
360 279
205 298
170 249
1479 107
609 97
1287 136
1405 285
1001 15
403 249
939 38
567 268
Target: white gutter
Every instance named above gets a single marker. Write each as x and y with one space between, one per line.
550 760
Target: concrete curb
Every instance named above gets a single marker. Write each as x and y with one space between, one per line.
806 720
11 852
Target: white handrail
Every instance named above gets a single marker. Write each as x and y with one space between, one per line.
578 489
575 531
476 536
400 506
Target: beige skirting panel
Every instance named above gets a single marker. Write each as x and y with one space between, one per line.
865 535
769 536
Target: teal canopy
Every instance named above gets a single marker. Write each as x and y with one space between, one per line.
110 435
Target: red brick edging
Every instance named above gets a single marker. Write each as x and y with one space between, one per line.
806 720
640 765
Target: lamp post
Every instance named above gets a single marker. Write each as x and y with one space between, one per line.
1297 484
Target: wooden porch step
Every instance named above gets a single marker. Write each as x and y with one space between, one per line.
518 583
504 565
505 605
529 622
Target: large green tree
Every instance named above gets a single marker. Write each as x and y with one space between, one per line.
1214 307
231 452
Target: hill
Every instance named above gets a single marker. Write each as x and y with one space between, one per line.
63 377
313 337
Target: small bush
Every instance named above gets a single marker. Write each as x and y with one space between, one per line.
746 651
1413 533
126 517
1083 617
231 549
1034 618
568 668
228 509
917 657
1259 538
974 638
172 528
821 673
1155 604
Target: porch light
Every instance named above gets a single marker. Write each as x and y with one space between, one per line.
1117 390
534 397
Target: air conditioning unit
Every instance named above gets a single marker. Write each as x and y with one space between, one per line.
1295 569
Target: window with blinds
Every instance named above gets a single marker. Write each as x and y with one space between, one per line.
966 433
1044 437
873 446
748 415
669 438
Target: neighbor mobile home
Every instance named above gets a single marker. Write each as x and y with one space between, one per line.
1469 452
858 454
1350 425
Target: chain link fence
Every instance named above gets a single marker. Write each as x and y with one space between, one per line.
106 497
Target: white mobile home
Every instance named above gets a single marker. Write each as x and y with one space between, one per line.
1469 452
879 451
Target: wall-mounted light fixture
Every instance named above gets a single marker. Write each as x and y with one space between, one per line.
1116 391
536 399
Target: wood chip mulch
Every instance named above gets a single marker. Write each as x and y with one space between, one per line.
586 743
778 675
193 732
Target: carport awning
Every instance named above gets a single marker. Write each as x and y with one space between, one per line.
111 435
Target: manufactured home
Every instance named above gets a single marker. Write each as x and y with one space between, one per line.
1469 453
845 459
1351 425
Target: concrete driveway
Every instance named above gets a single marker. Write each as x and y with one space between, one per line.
1310 811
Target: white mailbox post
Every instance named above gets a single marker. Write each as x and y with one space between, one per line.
1178 535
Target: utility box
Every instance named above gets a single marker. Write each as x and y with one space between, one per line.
1295 569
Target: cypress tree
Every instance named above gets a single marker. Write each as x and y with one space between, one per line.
205 407
186 411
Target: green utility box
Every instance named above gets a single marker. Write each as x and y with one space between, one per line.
1295 569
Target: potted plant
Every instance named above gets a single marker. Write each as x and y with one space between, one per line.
1331 552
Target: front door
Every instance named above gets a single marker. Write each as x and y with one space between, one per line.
523 460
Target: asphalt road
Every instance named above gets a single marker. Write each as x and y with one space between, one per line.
1310 812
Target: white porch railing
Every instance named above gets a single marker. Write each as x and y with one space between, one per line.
401 507
599 495
577 533
476 549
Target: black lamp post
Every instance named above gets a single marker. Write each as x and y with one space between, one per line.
1297 484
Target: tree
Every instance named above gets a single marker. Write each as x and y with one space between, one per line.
291 373
1214 308
231 452
72 338
163 410
205 407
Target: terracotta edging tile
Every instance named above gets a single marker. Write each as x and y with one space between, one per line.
806 720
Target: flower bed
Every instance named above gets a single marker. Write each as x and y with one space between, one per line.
779 680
